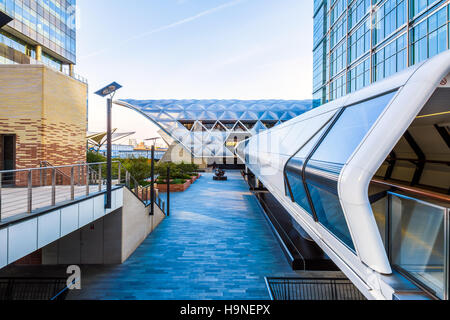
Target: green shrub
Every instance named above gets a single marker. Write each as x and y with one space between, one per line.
177 171
139 168
161 170
174 181
178 181
94 157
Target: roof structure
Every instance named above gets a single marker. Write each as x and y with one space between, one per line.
98 139
211 128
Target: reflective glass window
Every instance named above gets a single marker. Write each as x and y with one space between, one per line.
429 37
390 59
388 17
294 168
359 76
323 170
294 172
418 241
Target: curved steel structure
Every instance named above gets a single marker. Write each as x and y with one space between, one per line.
207 128
320 165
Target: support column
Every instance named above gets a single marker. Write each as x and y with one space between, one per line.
39 53
152 186
71 70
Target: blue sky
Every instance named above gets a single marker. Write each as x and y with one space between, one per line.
195 49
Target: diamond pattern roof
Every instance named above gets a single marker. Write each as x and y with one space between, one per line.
204 127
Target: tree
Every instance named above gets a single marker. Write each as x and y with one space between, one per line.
139 168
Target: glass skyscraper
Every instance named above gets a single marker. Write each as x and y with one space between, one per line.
358 42
40 30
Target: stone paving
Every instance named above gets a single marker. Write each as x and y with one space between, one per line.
216 245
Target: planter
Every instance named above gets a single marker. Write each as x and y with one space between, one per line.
195 178
174 187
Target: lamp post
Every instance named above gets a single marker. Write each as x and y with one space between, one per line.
109 90
154 142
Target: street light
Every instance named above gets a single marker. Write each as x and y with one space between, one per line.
154 140
109 90
152 186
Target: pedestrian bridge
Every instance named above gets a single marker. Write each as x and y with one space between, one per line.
39 207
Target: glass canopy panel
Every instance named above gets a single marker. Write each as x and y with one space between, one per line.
170 126
165 116
323 169
208 115
259 127
227 112
189 125
229 124
258 107
270 124
215 107
198 127
209 125
249 115
219 127
173 108
269 115
195 108
229 115
153 114
238 107
240 127
249 124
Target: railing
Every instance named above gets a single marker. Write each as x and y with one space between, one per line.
75 76
39 289
144 194
414 225
316 289
63 71
413 191
28 190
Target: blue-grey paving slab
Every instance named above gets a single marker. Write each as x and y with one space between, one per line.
215 245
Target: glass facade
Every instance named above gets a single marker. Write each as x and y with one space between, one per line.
312 173
418 242
212 128
358 42
49 23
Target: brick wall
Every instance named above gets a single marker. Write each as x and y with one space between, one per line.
46 110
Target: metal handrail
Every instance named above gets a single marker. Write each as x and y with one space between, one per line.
141 192
414 191
57 167
45 165
20 197
419 160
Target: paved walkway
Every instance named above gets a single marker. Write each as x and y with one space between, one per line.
216 245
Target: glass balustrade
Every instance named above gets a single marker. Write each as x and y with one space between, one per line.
416 235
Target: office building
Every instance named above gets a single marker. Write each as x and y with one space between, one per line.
359 42
43 104
38 31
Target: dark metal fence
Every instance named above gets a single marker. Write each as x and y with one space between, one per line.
312 289
32 289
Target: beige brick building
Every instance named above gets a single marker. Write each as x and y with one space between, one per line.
42 117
